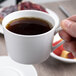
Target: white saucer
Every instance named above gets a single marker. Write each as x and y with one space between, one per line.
10 68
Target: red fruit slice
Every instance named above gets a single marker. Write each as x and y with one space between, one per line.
59 50
70 56
30 6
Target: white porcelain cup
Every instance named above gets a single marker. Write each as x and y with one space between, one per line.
30 49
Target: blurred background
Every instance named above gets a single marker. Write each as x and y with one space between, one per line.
4 3
51 67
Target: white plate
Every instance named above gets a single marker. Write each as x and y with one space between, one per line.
56 38
63 59
10 68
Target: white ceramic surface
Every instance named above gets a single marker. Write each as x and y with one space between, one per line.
30 49
11 68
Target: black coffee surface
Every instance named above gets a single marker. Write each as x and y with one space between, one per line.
29 26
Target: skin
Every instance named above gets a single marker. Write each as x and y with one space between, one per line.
69 34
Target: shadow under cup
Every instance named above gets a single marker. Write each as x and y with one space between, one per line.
29 49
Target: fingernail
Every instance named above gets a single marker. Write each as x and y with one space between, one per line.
66 24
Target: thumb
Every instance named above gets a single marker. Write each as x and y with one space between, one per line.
69 26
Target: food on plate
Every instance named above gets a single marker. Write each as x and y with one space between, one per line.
6 11
70 55
21 6
61 52
30 5
64 54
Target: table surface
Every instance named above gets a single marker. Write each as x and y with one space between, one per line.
51 67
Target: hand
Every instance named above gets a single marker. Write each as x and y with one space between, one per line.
69 34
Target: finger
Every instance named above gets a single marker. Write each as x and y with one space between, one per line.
72 18
69 27
70 46
64 35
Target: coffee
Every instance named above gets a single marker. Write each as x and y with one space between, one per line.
29 26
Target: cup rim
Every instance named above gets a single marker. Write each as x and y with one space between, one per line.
55 18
